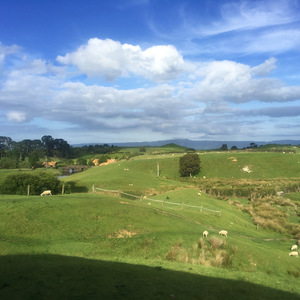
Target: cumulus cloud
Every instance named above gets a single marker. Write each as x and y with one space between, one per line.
204 101
112 59
265 68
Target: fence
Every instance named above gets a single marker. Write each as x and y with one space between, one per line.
163 202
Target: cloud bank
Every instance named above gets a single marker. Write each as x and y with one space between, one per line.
92 91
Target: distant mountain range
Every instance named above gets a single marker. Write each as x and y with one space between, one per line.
198 145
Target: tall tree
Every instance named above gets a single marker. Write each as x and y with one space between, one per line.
48 143
5 144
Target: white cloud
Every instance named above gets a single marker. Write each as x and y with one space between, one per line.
265 68
243 27
6 50
246 15
16 116
111 59
206 102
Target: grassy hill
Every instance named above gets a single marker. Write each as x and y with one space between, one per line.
111 246
93 233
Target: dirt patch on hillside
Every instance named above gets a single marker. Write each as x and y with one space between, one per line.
122 233
233 158
123 202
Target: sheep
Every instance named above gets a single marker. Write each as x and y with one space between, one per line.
223 232
44 193
205 233
294 247
293 253
199 194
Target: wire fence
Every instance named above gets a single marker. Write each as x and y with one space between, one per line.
162 202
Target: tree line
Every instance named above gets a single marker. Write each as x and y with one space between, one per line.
13 154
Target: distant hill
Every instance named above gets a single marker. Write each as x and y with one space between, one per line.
199 145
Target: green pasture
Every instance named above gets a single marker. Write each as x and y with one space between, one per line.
116 245
261 165
136 175
140 174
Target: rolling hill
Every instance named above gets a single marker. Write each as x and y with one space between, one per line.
143 238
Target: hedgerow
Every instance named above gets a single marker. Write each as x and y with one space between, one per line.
35 184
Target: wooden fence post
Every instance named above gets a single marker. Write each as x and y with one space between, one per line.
93 189
28 189
63 189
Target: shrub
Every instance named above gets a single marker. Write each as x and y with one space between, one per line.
189 165
17 184
8 163
218 255
215 242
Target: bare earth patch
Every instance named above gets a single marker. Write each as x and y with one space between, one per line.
233 158
122 233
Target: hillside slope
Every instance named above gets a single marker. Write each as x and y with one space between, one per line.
113 229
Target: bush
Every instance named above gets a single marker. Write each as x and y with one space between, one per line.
189 165
17 184
8 163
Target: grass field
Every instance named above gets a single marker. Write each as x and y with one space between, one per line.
91 246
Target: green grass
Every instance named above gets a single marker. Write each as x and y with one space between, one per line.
142 173
262 165
61 277
90 246
77 240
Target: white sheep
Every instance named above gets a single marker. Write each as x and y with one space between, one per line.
44 193
223 232
205 233
293 253
294 247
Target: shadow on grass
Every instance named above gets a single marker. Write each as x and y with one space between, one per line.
75 188
61 277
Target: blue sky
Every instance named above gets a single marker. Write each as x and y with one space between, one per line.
144 70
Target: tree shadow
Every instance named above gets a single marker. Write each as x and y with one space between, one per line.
61 277
75 188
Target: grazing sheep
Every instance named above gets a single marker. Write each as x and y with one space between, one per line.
294 247
223 232
293 253
205 233
199 194
44 193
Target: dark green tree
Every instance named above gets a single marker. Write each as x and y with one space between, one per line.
142 149
48 143
33 159
189 164
224 147
81 161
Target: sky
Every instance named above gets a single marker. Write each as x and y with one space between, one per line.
98 71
